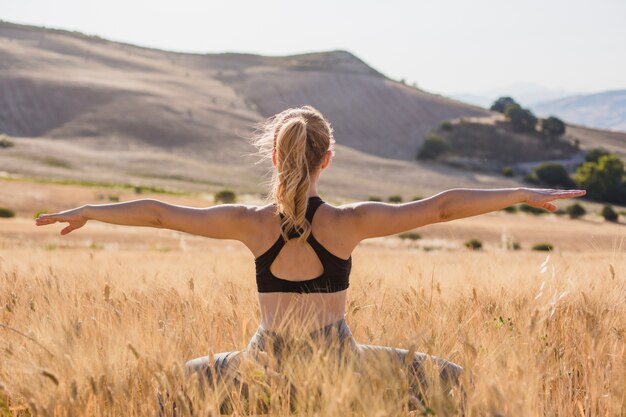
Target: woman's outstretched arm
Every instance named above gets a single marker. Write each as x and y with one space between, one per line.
372 219
228 221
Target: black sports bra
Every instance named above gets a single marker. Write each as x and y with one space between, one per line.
336 270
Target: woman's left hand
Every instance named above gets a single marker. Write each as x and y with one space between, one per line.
74 217
541 197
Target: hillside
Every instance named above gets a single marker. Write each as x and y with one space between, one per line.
490 144
64 85
605 110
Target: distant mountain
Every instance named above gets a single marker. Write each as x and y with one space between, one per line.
605 110
525 93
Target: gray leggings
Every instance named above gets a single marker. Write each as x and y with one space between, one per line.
220 367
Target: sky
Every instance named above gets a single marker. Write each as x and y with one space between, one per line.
443 46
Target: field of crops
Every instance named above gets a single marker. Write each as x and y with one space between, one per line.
98 328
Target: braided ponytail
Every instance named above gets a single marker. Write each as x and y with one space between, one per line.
301 137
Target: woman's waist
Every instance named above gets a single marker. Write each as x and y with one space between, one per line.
289 313
296 326
334 334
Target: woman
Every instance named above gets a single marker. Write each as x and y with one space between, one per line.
302 246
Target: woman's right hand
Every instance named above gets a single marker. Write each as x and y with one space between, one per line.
540 197
74 217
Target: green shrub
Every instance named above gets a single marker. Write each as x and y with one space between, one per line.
522 120
543 247
593 155
446 126
374 198
500 104
417 198
114 198
510 209
5 142
507 171
552 127
395 199
474 244
603 180
410 236
433 147
553 174
609 213
225 196
533 210
516 246
531 178
6 213
575 210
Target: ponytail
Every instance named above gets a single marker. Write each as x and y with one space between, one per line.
291 191
301 137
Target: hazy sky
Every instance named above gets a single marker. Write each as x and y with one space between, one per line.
445 46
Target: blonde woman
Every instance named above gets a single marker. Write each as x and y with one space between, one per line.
303 245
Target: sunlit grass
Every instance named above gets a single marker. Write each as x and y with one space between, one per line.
99 332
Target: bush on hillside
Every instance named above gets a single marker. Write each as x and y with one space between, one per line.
553 174
531 178
500 104
543 247
522 120
410 236
507 171
593 155
395 199
575 210
603 180
446 126
5 142
225 196
433 147
374 198
474 244
6 213
609 213
533 210
552 127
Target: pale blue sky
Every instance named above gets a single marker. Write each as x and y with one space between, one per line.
445 46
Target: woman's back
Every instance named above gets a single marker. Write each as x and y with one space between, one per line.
302 284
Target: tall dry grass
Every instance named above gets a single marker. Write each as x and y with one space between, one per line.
98 333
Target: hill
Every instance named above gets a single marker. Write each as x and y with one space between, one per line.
65 85
490 144
605 110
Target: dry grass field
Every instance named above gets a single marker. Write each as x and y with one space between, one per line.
95 323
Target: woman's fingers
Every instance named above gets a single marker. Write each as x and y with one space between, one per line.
67 229
46 219
569 193
550 207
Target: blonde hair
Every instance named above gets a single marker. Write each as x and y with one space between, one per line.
301 137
